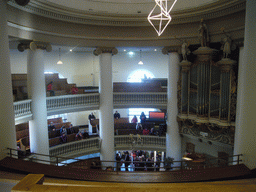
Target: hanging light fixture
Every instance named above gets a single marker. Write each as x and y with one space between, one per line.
59 62
163 17
140 62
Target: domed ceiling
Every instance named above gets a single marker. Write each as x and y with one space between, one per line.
130 7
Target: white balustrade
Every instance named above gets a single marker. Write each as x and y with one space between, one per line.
22 108
72 103
85 146
151 99
69 101
140 142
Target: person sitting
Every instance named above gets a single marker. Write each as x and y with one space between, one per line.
116 115
51 127
152 131
145 131
134 119
91 116
79 136
74 89
85 135
63 130
139 126
63 138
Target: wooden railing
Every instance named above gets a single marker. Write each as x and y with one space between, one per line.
116 165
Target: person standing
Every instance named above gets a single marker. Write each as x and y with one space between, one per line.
91 116
116 115
142 118
134 119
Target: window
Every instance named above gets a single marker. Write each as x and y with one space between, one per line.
138 75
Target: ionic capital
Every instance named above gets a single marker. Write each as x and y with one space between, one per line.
170 49
185 65
33 45
98 51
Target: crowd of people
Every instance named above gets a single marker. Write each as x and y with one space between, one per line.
138 161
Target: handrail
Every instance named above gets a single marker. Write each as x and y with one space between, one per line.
184 164
91 100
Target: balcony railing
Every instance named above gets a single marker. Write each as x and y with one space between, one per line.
134 142
22 108
72 103
85 146
141 99
88 146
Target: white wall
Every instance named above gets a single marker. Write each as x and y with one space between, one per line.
81 118
82 68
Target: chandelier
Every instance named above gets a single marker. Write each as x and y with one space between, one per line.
163 17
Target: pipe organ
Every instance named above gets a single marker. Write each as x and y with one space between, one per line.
207 96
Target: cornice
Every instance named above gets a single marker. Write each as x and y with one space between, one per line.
211 11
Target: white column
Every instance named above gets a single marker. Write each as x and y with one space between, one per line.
38 128
173 140
245 131
106 118
7 122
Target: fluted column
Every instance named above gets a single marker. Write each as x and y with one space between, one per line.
38 129
173 140
7 122
106 118
245 131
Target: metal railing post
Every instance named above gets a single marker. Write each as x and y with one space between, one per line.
57 161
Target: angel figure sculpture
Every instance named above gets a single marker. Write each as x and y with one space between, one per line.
227 44
203 34
185 50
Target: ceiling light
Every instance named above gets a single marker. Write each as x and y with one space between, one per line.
131 53
163 16
140 62
59 62
70 50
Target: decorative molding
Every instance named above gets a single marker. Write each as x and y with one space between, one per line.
101 50
211 132
33 45
170 49
211 11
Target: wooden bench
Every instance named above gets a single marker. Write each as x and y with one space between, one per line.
55 120
125 126
128 132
